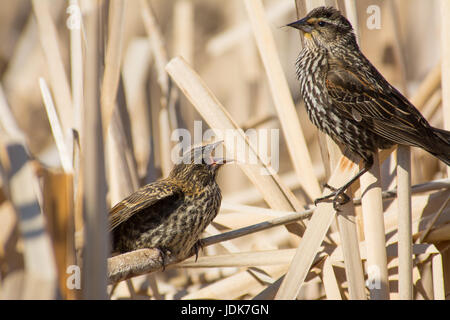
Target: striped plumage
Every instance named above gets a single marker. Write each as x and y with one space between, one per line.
348 99
170 214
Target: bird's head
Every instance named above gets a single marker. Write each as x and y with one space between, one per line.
199 165
324 27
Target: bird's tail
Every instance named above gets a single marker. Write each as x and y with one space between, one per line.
441 145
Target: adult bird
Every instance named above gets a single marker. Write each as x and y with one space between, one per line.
348 99
170 214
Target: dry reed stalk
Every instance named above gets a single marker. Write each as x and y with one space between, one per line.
329 281
58 134
349 241
93 170
58 210
76 72
445 51
405 264
58 79
272 188
241 259
183 37
374 233
110 82
284 104
76 67
438 277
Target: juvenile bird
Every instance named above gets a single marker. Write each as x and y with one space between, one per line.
348 99
170 214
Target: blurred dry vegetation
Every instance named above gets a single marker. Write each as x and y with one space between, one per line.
217 41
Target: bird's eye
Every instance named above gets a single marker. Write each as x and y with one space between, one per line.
321 23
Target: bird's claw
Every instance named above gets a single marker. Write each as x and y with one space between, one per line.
338 195
163 255
197 247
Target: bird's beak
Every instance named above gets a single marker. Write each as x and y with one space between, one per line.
302 25
217 162
221 161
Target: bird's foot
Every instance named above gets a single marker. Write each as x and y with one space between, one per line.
197 247
163 253
338 195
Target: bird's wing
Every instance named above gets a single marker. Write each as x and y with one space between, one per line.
388 113
141 199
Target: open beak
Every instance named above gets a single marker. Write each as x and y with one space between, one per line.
220 161
302 25
214 161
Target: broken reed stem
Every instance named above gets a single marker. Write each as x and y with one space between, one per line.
284 104
405 262
55 125
58 79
